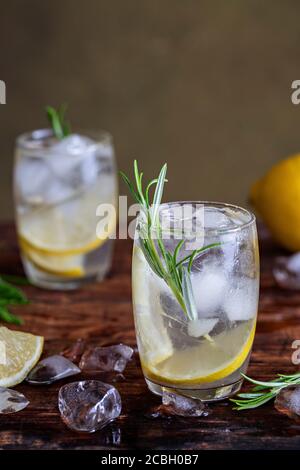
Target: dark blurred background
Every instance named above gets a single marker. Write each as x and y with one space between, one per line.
203 85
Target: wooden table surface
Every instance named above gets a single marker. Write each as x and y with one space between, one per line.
102 312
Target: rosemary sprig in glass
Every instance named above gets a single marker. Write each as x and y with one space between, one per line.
263 391
57 120
175 272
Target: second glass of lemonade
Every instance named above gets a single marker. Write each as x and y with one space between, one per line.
58 185
202 357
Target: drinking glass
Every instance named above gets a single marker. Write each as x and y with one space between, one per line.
58 185
201 356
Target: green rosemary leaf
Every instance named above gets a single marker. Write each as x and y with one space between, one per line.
188 294
66 126
170 264
11 293
18 280
254 403
263 391
152 262
162 249
61 128
158 192
130 186
199 250
54 121
270 384
138 181
8 317
148 189
193 255
250 395
177 250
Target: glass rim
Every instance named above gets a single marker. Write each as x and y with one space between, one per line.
28 140
251 219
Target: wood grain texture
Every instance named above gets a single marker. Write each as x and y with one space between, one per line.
102 313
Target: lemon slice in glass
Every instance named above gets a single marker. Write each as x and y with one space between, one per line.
154 343
20 353
59 265
55 238
68 228
207 362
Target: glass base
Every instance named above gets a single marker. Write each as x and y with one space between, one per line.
204 394
48 281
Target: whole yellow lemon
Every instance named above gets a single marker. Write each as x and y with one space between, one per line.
276 197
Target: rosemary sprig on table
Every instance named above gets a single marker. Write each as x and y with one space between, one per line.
57 119
175 272
263 391
10 295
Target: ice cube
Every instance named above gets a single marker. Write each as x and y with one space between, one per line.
31 176
201 326
293 263
11 401
171 306
183 406
74 160
288 401
75 351
209 288
107 358
36 184
240 302
51 369
88 405
215 219
75 145
286 271
55 191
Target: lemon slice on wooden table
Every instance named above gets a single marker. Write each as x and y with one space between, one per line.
20 353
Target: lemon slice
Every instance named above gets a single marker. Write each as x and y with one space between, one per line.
53 235
21 353
154 343
207 362
59 265
66 229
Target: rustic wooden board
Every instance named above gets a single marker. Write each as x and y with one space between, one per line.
102 312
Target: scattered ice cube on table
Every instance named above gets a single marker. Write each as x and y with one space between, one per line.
183 406
286 271
51 369
75 351
240 303
201 326
288 401
293 263
11 401
209 287
88 405
107 358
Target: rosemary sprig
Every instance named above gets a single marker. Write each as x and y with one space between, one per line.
263 391
10 295
18 280
56 117
164 263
